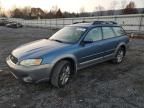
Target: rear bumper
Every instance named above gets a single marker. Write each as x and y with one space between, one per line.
30 74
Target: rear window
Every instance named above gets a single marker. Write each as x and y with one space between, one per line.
108 32
118 31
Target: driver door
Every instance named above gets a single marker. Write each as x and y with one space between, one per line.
91 51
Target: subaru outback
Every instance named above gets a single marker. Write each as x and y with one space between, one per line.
70 49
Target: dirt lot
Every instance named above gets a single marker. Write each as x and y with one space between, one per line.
105 85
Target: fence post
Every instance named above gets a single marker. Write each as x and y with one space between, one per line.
50 27
63 22
98 18
140 24
25 23
72 20
45 23
115 18
83 20
56 22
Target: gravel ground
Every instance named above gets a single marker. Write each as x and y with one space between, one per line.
104 85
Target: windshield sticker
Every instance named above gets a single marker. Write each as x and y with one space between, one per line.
81 29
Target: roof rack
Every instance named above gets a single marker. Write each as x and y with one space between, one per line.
80 22
97 22
103 22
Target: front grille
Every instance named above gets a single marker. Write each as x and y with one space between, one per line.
13 59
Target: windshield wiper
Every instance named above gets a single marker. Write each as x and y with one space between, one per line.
57 40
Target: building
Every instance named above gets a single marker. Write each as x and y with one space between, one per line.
37 13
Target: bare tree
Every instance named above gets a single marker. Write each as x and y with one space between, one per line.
123 4
112 7
54 9
113 4
99 10
26 12
0 9
16 13
82 10
130 8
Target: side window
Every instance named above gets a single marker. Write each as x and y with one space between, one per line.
108 32
94 35
119 31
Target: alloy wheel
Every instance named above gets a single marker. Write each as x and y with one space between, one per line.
65 75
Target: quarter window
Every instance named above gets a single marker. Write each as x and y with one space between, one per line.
94 35
119 31
108 32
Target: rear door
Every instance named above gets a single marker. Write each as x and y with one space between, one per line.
110 41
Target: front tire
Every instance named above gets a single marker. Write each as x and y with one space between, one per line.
61 74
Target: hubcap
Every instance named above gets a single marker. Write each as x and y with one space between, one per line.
65 74
120 56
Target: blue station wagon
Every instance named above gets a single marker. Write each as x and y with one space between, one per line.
72 48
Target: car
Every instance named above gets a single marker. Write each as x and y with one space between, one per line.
14 25
3 21
77 46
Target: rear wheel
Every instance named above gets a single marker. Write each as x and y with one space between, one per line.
119 55
61 74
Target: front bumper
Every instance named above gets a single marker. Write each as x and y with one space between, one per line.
30 74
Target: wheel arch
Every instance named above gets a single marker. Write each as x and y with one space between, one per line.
123 45
71 59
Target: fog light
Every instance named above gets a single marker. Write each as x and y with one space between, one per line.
27 79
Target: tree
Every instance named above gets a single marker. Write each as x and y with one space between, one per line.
66 15
70 15
130 8
0 9
99 10
3 15
123 4
82 12
54 12
112 7
16 13
54 9
26 12
50 15
59 14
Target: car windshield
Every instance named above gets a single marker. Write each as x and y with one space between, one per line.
68 34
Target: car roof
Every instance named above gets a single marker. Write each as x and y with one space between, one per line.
95 24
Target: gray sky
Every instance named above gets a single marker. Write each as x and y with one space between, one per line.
67 5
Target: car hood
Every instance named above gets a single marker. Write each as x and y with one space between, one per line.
37 48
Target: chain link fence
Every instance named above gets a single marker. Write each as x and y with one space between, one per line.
131 23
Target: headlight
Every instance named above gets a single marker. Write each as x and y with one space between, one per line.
31 62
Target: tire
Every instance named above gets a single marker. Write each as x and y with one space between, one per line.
61 74
119 56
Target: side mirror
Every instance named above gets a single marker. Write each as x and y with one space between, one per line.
86 41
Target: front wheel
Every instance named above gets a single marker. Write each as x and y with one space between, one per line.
61 73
